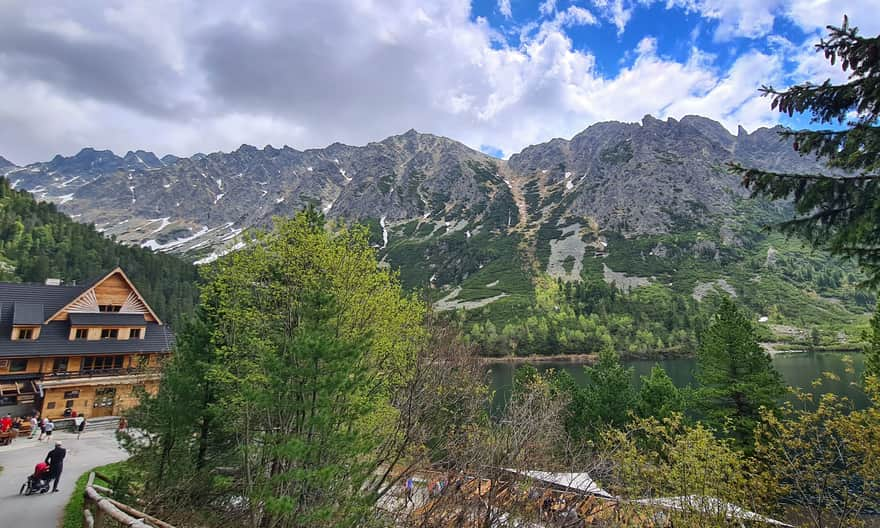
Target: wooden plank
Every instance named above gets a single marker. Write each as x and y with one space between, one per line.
105 507
149 518
88 519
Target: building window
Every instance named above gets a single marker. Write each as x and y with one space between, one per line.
8 400
102 362
71 395
18 365
25 333
134 333
82 333
109 307
109 333
59 365
50 405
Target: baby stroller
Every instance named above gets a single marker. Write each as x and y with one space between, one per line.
38 482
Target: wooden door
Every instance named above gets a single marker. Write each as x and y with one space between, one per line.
105 399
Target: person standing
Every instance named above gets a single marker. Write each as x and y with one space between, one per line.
80 423
5 423
48 427
35 424
42 428
55 459
409 488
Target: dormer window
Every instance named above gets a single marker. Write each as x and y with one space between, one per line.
25 333
134 333
109 307
109 333
82 333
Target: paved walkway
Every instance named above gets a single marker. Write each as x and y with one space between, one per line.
94 448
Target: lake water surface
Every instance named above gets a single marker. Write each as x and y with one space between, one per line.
797 370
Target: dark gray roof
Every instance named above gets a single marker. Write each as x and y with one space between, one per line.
26 313
107 319
55 340
53 298
54 337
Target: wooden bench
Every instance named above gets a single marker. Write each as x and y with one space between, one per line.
6 438
25 429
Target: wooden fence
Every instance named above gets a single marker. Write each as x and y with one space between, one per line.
100 511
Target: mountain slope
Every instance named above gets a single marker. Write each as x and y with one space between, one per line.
637 214
39 242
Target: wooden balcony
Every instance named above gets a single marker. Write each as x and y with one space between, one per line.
101 373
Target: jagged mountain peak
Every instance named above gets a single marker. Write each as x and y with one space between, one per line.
143 158
633 178
5 163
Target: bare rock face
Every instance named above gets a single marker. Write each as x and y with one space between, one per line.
657 176
651 177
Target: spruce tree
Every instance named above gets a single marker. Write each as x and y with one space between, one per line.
606 400
658 396
735 376
838 210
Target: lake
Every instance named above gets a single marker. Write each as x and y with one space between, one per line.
797 370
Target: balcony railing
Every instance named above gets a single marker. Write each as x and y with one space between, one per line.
100 373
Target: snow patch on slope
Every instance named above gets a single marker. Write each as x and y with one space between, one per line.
384 232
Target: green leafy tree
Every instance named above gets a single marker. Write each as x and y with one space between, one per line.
710 480
658 396
826 457
312 341
735 376
836 211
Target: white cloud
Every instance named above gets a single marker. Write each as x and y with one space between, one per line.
755 18
615 11
505 9
178 79
576 16
547 7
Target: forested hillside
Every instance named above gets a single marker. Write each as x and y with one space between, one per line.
38 242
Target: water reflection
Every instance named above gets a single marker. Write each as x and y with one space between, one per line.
797 370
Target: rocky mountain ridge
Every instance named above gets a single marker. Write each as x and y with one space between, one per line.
624 233
635 179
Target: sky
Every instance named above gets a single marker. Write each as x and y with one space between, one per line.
184 76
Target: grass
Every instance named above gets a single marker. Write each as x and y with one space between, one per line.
73 511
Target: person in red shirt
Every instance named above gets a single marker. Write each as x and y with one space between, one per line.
5 423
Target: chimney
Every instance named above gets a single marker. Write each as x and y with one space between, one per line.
53 282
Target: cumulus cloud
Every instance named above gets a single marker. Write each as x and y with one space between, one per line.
175 77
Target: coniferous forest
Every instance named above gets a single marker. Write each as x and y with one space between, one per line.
38 242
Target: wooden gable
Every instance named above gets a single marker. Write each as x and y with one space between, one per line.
113 289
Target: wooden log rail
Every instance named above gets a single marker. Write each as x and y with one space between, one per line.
97 509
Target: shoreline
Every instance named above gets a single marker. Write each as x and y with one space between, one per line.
589 359
558 358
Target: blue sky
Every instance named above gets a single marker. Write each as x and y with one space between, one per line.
198 76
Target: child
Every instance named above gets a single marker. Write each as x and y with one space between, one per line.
80 423
48 428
